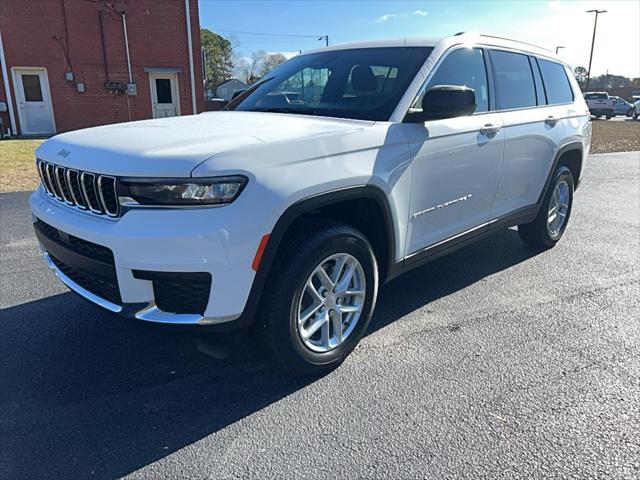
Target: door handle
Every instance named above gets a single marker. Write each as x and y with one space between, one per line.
490 129
551 120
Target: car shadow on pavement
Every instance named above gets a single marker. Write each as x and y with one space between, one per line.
85 394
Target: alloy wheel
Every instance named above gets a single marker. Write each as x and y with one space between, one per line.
331 303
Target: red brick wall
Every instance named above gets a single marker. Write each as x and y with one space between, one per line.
34 34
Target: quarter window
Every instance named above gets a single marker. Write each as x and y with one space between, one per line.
462 67
514 80
556 82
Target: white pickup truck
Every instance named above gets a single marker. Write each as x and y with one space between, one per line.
600 103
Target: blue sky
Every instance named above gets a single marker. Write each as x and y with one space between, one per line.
546 23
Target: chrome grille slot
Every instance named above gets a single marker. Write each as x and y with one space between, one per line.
88 184
61 178
108 196
82 190
44 178
50 170
73 180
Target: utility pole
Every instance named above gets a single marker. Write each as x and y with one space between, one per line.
326 39
593 41
558 48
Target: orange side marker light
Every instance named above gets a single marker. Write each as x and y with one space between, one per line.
258 258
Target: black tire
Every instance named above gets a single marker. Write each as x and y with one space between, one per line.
608 117
537 232
302 251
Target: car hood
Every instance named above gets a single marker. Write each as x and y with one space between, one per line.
171 147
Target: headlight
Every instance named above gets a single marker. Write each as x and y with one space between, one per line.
192 191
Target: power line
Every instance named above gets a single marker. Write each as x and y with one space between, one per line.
269 34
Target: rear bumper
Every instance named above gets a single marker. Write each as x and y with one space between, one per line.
123 265
601 111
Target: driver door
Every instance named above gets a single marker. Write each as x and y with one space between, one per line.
456 161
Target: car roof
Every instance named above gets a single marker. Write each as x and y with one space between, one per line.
446 42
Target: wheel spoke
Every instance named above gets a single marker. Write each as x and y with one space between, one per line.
321 273
345 280
354 293
324 336
321 321
349 308
337 269
313 291
336 322
306 315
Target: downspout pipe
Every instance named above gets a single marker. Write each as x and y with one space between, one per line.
5 77
187 9
126 45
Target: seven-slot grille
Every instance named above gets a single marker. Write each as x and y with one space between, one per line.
84 190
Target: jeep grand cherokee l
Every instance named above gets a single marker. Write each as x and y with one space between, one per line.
338 171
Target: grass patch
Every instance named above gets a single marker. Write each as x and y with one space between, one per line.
18 165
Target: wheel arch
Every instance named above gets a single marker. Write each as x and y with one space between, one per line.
307 207
571 155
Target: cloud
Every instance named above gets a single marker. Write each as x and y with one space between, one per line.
390 16
386 17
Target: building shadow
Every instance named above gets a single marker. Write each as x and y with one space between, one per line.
85 393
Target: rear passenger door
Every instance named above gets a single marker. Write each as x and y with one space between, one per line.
455 161
535 117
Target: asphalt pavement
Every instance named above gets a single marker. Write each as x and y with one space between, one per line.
499 361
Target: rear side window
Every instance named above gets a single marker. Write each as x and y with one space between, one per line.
514 80
462 67
556 82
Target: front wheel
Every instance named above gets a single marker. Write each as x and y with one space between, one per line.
320 297
552 219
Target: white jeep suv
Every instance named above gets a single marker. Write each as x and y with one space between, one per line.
338 171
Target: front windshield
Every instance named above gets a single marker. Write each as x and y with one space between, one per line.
363 84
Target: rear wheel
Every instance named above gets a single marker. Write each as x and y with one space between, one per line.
553 217
320 297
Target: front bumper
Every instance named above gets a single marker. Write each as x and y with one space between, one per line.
206 240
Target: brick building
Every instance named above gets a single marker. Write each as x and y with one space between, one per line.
71 64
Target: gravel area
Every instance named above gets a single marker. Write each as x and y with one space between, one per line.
620 135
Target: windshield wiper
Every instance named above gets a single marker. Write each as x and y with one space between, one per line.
299 111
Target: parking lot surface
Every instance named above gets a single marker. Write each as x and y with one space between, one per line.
499 361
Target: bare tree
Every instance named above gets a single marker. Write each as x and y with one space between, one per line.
255 65
271 61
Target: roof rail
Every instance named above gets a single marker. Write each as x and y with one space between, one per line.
503 38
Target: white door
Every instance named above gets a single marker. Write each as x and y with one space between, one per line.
455 161
165 101
34 101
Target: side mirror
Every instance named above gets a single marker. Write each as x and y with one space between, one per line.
445 101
